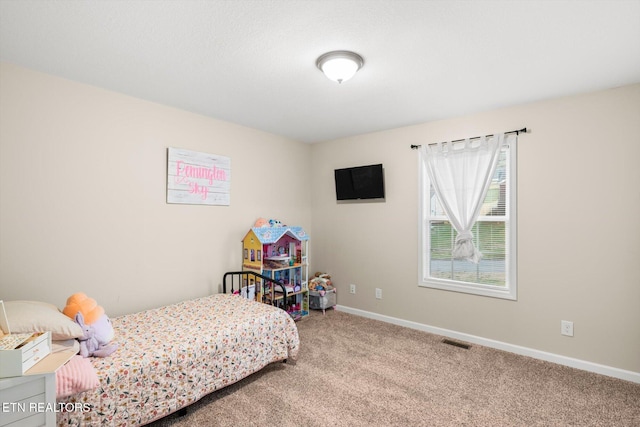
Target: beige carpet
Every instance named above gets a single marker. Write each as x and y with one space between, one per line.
354 371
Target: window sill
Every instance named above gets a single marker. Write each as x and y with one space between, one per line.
470 288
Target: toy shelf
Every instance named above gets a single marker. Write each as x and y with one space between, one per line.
285 268
280 295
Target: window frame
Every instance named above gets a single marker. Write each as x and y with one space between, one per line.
509 291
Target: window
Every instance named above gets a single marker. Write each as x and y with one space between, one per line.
494 234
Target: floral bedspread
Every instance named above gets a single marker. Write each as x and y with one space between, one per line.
172 356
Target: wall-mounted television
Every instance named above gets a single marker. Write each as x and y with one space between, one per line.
360 182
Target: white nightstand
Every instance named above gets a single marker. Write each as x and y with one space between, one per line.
24 400
30 400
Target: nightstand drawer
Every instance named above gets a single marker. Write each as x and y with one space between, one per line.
35 354
24 400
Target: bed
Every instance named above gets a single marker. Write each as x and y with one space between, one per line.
172 356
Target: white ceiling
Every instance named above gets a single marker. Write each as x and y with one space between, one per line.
253 62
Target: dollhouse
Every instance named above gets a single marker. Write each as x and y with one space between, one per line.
280 253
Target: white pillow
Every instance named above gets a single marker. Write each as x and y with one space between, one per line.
36 316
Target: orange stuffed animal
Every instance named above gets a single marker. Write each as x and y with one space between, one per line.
87 306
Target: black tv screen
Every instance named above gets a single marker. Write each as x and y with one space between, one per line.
361 182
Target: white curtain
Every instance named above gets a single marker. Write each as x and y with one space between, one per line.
461 174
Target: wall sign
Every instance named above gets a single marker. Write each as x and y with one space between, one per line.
198 178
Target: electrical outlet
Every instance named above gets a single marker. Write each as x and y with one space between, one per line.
352 288
566 328
378 293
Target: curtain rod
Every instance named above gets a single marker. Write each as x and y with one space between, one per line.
517 132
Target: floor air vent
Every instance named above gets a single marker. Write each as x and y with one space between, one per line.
457 344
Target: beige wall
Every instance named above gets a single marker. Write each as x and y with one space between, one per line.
82 208
579 234
82 195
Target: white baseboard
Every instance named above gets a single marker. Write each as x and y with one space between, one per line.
524 351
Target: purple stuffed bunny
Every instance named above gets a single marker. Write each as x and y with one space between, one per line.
95 342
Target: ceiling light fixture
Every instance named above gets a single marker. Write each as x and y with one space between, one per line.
340 65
